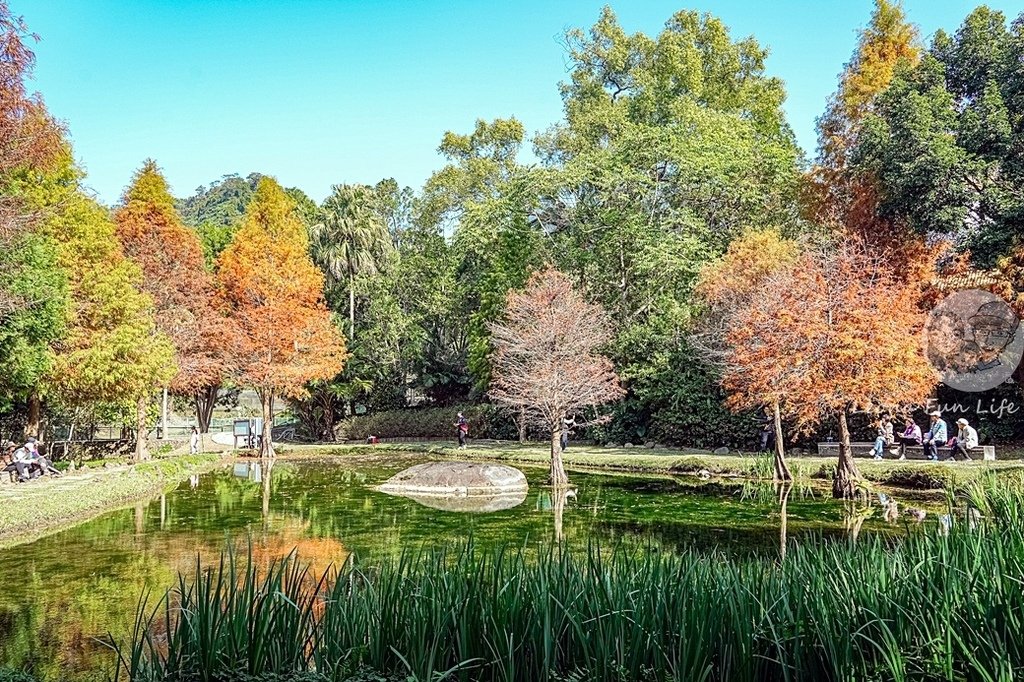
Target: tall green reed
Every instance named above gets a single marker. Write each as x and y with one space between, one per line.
931 607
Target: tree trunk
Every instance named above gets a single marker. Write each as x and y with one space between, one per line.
141 428
34 415
351 308
163 415
521 424
205 399
846 469
781 470
558 478
266 442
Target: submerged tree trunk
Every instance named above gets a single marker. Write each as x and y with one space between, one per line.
558 499
141 428
205 399
784 490
266 442
32 429
558 477
267 467
781 470
846 469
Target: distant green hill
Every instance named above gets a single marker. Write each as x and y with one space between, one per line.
216 210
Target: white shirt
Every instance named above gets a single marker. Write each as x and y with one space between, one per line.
194 440
968 436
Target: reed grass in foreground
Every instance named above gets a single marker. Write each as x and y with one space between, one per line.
932 607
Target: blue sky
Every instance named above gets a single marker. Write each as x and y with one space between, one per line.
319 92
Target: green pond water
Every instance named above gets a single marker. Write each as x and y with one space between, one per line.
65 593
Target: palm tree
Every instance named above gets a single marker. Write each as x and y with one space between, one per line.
350 240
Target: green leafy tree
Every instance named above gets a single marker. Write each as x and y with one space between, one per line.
671 147
349 240
944 140
112 353
843 196
485 199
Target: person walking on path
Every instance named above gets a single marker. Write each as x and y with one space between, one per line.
936 436
462 430
965 441
193 442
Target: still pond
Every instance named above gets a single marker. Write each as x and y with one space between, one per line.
64 594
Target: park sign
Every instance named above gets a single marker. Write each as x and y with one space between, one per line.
974 339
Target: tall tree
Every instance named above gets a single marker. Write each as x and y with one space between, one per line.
112 352
843 196
547 359
33 289
833 334
729 287
174 274
483 198
672 145
944 140
276 296
350 240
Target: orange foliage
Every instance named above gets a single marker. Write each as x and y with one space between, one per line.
276 297
170 255
836 332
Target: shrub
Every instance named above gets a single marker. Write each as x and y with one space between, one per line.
11 675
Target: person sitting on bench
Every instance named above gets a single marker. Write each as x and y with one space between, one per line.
37 464
965 441
884 437
7 458
911 436
936 436
23 464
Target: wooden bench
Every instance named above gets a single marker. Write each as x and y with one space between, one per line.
987 452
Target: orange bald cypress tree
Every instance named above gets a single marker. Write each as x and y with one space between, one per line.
187 308
726 288
834 334
276 297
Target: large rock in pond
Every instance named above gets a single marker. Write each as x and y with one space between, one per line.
461 479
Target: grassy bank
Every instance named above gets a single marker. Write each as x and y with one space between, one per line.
42 506
907 474
937 605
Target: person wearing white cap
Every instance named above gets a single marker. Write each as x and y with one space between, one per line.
936 436
966 440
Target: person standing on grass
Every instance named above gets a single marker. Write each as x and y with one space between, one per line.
193 442
936 436
462 430
567 425
911 436
965 441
